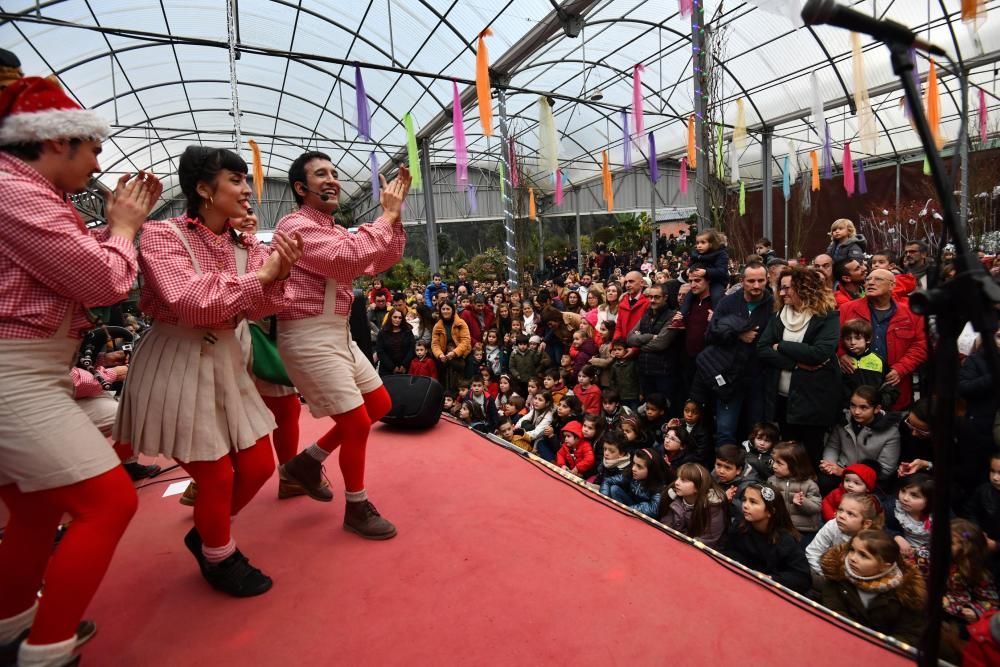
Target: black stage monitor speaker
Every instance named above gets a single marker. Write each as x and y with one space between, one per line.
416 400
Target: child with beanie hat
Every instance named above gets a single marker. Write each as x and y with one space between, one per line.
858 478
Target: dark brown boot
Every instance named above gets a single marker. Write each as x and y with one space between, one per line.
289 489
307 472
362 518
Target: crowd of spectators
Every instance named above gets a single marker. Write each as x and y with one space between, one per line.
774 409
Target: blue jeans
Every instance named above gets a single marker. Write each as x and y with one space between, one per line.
728 413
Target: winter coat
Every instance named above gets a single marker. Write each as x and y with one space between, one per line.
590 399
853 248
389 355
831 502
828 537
425 366
609 477
879 441
431 291
785 561
981 596
657 352
725 354
582 355
459 335
477 331
869 369
762 464
640 499
581 458
906 344
715 263
983 650
809 394
678 516
629 315
603 360
524 365
625 379
899 612
977 387
805 517
534 423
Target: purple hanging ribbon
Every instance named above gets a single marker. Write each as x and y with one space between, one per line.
376 189
827 155
513 163
458 130
473 200
654 168
364 118
559 188
862 185
626 142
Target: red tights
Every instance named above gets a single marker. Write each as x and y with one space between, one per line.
286 411
225 486
350 433
101 508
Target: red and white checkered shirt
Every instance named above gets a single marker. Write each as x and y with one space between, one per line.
330 251
49 262
85 385
174 293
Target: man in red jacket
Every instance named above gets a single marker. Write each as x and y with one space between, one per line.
478 317
632 306
898 333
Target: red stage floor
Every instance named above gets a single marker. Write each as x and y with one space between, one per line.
496 562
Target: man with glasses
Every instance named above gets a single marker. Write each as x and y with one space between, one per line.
824 264
898 334
917 262
655 342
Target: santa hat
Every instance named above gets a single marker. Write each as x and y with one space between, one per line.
34 109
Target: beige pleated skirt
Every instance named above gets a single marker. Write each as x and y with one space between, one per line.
46 439
188 396
264 387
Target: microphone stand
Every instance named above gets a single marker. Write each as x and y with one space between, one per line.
972 296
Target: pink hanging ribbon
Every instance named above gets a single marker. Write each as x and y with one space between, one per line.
983 131
458 131
637 100
512 154
848 170
686 7
559 190
684 174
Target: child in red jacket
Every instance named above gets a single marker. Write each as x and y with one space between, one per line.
858 478
576 454
423 364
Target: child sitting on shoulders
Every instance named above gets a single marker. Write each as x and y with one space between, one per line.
858 478
576 454
868 580
697 506
644 489
856 512
762 439
710 254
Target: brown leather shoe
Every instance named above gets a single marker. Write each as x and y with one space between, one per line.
190 494
362 518
307 472
289 489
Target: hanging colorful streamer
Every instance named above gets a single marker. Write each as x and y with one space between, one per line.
609 192
364 118
934 105
532 212
866 119
793 152
692 158
416 180
639 123
626 141
470 193
862 183
548 143
819 122
734 163
685 7
458 132
983 131
814 163
848 170
974 12
927 166
559 188
805 195
258 170
743 199
684 175
654 168
483 84
512 154
740 128
786 182
376 183
503 183
827 153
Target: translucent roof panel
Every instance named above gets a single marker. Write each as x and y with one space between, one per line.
160 72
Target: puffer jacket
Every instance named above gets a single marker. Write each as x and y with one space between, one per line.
898 612
807 516
853 248
640 499
879 441
657 352
678 516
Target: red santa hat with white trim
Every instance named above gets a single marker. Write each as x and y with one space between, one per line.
36 109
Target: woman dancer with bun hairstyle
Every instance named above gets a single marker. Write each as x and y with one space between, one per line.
188 395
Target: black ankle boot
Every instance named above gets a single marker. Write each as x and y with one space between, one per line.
237 577
193 542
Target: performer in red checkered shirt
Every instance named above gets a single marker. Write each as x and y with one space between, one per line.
314 335
188 395
53 459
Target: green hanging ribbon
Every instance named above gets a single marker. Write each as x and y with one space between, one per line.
411 150
743 199
503 178
927 166
720 167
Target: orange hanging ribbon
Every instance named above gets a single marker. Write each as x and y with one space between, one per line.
258 171
692 149
609 193
934 105
532 213
483 84
814 160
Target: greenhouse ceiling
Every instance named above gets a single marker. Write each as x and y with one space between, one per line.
161 73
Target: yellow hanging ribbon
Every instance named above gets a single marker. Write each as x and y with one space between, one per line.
532 213
483 84
258 171
740 128
814 161
692 148
609 193
934 105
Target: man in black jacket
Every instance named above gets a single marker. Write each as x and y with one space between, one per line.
656 342
727 367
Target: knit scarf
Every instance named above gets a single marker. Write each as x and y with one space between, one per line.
794 320
879 583
620 463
